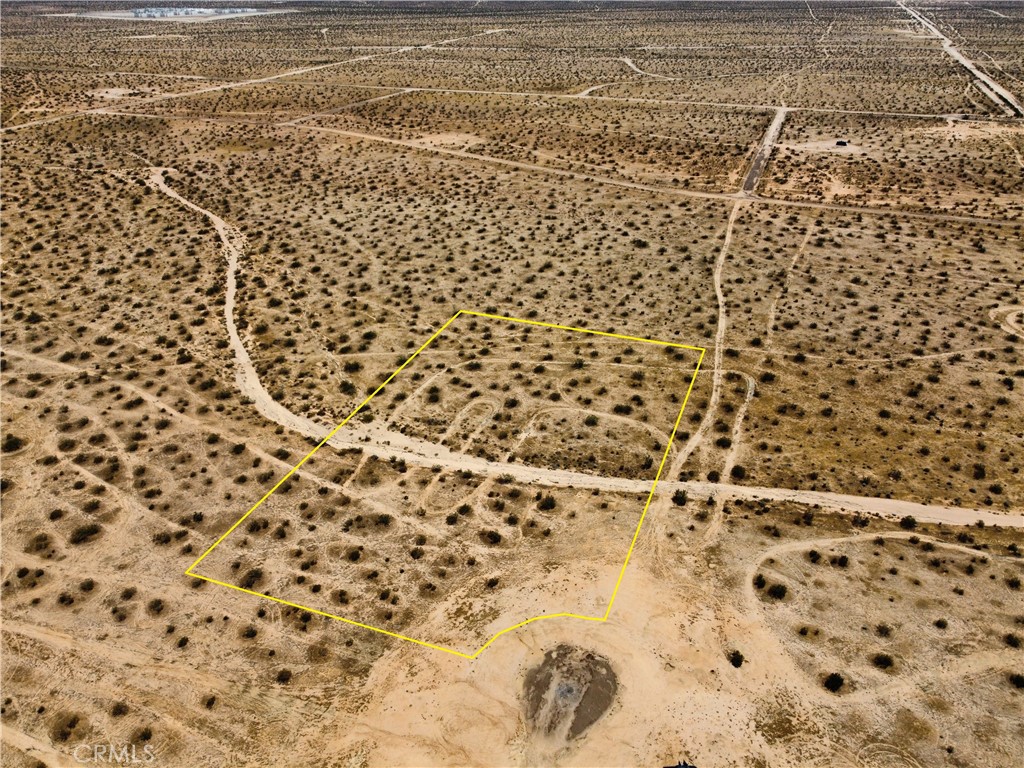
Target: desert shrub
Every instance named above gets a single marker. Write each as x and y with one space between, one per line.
882 660
11 443
490 537
834 682
736 659
85 533
777 591
65 727
283 676
251 578
908 523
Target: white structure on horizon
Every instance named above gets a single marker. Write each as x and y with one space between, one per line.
162 13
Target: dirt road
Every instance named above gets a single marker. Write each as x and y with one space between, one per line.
377 440
245 83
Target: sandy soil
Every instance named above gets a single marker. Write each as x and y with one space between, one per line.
202 280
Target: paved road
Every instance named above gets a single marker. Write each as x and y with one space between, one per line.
1001 97
764 152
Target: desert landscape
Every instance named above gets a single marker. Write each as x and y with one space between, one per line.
500 383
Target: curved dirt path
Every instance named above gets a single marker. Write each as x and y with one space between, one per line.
629 63
377 440
958 667
1012 318
592 89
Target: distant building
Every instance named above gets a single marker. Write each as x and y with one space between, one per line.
163 13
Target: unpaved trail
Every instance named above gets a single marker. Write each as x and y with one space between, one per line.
1012 320
362 102
716 368
377 440
253 81
35 748
629 63
737 426
132 655
827 541
587 91
747 196
518 164
170 410
140 101
955 116
956 667
790 270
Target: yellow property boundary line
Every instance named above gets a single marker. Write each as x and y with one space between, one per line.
190 571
